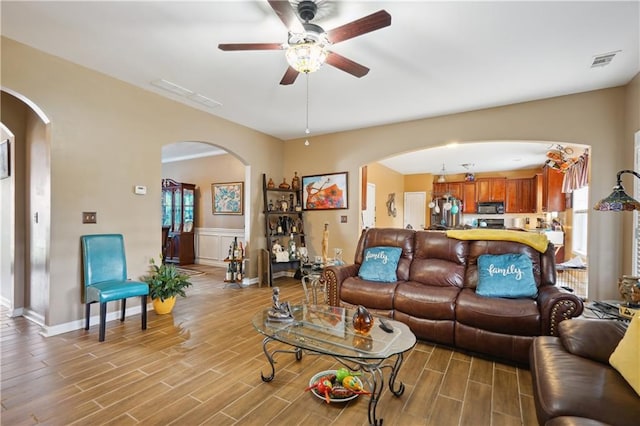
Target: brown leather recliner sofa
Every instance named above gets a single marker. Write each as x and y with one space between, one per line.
435 293
573 383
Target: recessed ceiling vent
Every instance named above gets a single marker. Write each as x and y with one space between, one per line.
603 59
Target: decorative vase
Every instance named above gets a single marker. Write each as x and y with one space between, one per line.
362 320
165 307
629 288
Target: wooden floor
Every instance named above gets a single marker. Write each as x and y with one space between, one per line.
201 365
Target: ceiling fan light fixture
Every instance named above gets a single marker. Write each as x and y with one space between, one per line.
306 57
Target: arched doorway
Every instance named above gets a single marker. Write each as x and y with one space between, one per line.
422 172
26 194
204 164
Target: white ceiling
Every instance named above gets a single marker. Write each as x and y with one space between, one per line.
437 57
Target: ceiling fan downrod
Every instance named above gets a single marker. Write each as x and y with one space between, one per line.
307 10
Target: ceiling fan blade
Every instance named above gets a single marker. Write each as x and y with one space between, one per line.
250 46
289 77
373 22
346 65
287 15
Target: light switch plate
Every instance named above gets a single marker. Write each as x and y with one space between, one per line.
140 189
89 217
343 219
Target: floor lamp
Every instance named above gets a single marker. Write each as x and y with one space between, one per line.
620 201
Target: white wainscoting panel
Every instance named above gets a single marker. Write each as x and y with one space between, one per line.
212 244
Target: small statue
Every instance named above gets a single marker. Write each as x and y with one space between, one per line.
280 311
284 184
270 184
276 248
295 182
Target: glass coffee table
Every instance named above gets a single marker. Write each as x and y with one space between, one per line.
328 330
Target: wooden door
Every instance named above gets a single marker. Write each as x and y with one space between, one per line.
512 199
455 189
498 189
483 190
469 197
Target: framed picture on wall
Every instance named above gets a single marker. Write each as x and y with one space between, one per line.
5 160
325 192
228 197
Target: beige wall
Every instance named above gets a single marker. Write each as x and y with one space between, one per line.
387 182
593 118
106 137
203 172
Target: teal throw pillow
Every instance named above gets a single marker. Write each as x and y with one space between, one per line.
380 264
506 275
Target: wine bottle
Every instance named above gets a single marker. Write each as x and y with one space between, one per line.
228 274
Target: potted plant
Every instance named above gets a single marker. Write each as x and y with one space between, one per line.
165 283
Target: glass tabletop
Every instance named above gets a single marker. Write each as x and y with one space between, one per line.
329 330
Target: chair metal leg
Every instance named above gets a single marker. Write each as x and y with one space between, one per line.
124 307
87 315
144 311
103 321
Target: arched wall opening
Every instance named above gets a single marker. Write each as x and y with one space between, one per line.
392 176
206 164
26 220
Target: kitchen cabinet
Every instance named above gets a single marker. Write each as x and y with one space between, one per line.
491 189
520 196
454 189
553 199
469 197
178 210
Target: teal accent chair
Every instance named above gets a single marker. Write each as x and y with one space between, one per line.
104 269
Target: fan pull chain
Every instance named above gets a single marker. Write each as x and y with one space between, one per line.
307 131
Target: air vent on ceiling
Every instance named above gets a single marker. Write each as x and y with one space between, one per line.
603 59
189 94
172 87
196 97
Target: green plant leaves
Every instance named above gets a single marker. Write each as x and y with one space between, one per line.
166 281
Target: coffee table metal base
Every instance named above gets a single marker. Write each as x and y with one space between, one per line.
374 367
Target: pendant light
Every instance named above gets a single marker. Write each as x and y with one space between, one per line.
441 178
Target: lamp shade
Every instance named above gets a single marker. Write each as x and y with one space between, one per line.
618 200
306 57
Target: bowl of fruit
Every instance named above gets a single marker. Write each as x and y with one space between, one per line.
339 385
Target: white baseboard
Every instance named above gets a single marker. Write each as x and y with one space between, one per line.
48 331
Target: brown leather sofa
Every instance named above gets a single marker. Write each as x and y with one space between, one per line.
435 293
573 383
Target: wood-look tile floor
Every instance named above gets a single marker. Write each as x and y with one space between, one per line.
202 363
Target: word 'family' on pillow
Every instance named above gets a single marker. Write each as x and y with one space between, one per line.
380 264
506 275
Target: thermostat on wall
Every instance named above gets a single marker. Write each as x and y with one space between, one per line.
140 190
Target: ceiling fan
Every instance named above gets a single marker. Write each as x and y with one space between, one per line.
307 46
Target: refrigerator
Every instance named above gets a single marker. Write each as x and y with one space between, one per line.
446 212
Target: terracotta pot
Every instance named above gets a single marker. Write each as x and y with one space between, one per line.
165 307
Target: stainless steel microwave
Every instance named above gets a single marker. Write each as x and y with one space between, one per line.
491 208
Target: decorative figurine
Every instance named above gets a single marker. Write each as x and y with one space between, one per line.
280 311
325 244
284 205
293 252
284 184
270 184
295 182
